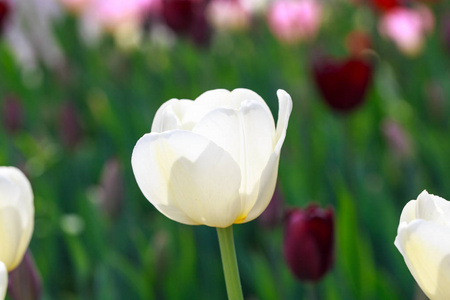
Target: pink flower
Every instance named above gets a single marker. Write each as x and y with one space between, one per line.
407 28
295 20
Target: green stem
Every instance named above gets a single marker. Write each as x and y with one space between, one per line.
229 262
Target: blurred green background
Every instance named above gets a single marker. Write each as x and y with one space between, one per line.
94 109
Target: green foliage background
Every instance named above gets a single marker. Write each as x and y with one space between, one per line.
334 159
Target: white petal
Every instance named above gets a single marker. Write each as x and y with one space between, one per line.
247 135
409 212
24 201
187 177
10 236
425 246
266 188
3 280
165 118
284 111
433 208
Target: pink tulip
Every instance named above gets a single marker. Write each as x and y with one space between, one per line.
295 20
407 28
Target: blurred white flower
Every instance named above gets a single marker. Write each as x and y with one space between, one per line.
295 20
16 220
423 240
407 27
30 34
212 161
228 15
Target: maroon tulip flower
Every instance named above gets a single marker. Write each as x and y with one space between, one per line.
309 242
187 17
24 282
343 84
12 115
5 11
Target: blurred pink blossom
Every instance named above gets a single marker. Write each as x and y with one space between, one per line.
407 27
295 20
228 15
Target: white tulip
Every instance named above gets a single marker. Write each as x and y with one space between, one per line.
16 216
423 239
212 161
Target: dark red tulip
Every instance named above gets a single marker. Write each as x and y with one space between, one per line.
70 130
187 17
12 114
24 282
5 10
309 242
343 84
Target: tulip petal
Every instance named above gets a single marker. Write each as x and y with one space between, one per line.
165 118
188 178
24 201
424 245
409 212
10 236
247 134
266 188
3 280
284 111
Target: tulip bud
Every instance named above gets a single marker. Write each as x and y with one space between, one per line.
5 11
423 240
111 187
12 114
17 215
25 281
212 161
70 131
309 242
342 84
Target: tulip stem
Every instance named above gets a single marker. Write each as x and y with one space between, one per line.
229 262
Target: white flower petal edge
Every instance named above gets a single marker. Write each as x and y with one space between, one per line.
16 215
3 280
423 240
188 178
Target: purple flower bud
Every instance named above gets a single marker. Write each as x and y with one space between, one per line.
309 242
12 114
70 130
111 191
24 282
